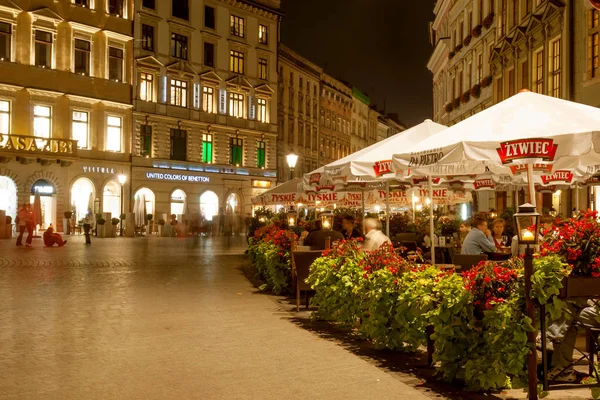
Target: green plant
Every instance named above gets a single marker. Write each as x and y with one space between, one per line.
487 22
487 81
476 32
546 282
476 91
100 221
115 221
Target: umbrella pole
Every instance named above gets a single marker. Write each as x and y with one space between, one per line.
387 208
577 198
431 225
532 197
363 203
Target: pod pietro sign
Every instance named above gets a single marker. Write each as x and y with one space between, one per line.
177 177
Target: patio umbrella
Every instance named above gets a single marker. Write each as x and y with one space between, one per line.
143 210
136 207
37 209
90 206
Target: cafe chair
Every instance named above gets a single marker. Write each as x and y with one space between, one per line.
301 269
468 261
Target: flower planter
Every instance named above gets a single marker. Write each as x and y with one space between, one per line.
8 232
580 286
66 226
101 229
114 231
160 230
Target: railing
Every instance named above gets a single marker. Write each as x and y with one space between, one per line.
38 145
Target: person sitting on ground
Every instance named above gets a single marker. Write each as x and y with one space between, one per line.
479 240
317 238
348 228
51 238
374 238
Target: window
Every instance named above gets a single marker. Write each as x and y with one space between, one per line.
181 9
5 40
43 49
146 140
538 72
115 64
209 54
479 68
236 105
179 93
82 56
308 137
237 26
300 134
147 37
261 154
262 68
236 62
178 144
42 121
515 13
151 4
555 70
80 128
113 133
179 46
480 10
236 151
524 75
146 86
593 44
502 22
262 110
4 117
263 34
291 133
510 82
208 99
115 7
209 17
82 3
207 148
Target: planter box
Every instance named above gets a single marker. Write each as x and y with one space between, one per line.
101 231
8 233
580 286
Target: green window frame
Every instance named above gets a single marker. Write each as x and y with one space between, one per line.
207 148
236 152
261 154
146 140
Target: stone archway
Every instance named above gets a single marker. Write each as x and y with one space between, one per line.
10 202
61 203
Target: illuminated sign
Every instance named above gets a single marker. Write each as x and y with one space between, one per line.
35 144
261 184
177 177
99 170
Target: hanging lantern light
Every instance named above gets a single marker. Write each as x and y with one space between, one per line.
327 220
493 213
292 217
527 221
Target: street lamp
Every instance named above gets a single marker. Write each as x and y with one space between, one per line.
527 222
292 159
292 217
327 220
122 179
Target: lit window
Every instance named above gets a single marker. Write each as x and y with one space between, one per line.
236 152
555 70
147 37
262 68
115 64
208 99
236 62
113 133
178 93
179 46
146 140
116 7
43 49
146 86
261 154
80 128
5 40
4 117
82 56
82 3
42 121
236 105
207 148
263 34
262 110
237 26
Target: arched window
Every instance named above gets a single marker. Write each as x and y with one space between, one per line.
112 199
178 202
147 196
8 197
83 195
209 205
233 203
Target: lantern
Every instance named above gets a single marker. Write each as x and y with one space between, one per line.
292 217
527 222
327 220
493 214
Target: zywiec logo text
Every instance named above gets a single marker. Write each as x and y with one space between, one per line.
315 178
483 183
527 148
558 176
425 159
382 167
522 168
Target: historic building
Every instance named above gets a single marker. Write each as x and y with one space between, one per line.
334 119
298 113
360 120
65 105
205 104
487 50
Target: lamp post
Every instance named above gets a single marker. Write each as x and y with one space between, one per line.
122 179
292 217
527 222
292 159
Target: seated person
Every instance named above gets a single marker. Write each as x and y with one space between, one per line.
348 229
465 228
479 240
374 238
498 233
316 239
51 238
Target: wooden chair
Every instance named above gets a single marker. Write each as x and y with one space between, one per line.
302 260
468 261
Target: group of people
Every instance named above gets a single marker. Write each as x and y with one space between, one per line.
319 238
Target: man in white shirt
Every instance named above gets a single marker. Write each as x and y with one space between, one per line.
374 238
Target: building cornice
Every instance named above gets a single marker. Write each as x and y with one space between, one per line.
441 50
300 62
441 9
256 8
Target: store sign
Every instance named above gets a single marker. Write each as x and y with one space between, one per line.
98 170
37 144
558 176
527 148
382 167
177 177
261 184
43 189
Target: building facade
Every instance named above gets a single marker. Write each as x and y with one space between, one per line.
360 120
298 113
487 50
205 104
65 105
334 119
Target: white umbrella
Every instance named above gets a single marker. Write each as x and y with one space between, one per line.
90 207
143 210
136 207
37 209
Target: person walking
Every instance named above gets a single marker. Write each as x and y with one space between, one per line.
26 221
20 221
88 223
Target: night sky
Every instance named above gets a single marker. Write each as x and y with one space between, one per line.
379 46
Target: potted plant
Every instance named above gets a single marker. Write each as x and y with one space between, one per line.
458 48
465 97
67 222
101 229
487 22
467 40
8 233
161 226
476 91
114 222
150 217
476 32
456 103
451 55
487 81
448 107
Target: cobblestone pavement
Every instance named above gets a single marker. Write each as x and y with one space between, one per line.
157 318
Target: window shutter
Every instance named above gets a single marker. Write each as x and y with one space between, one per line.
222 101
251 107
196 95
164 89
